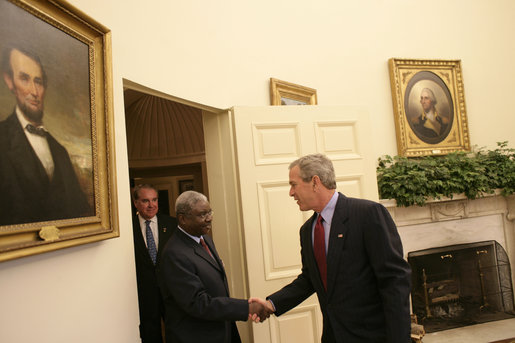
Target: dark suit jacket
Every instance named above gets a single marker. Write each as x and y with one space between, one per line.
368 281
27 193
151 307
196 294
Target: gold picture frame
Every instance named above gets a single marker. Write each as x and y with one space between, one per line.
73 52
286 93
429 106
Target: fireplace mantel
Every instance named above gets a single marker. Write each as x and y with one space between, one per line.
459 220
457 207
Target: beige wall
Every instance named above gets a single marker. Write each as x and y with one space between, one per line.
222 53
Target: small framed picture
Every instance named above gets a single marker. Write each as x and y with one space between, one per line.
286 93
186 185
429 106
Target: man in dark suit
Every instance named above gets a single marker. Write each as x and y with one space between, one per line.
351 257
37 179
195 290
151 232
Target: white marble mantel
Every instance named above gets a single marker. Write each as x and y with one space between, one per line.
457 221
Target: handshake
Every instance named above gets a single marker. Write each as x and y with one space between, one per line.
259 309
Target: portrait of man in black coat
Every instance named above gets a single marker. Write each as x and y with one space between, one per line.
38 181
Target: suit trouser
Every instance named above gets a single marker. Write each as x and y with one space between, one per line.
328 334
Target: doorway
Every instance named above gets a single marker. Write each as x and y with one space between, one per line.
165 146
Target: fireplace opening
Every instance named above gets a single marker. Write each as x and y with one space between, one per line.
461 285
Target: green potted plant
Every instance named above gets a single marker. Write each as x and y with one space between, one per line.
412 181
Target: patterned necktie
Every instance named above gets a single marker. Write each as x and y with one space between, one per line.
151 244
319 249
204 245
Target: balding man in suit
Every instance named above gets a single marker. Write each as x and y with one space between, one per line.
151 233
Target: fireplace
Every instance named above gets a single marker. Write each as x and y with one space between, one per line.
461 285
464 229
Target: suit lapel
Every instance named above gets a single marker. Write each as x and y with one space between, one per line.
337 237
219 263
203 254
162 231
24 160
199 250
140 241
212 248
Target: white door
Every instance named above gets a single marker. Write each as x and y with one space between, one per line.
267 139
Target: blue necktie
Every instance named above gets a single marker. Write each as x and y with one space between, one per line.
151 244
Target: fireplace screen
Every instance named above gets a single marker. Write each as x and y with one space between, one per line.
461 285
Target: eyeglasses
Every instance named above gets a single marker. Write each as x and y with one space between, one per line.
203 215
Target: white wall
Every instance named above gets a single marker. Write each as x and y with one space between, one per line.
82 294
222 53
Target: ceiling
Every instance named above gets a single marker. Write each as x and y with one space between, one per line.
162 132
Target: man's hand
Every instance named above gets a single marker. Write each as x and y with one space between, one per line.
259 309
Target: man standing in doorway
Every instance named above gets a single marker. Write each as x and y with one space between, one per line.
351 257
37 179
151 232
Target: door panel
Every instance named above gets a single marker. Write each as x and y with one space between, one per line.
267 140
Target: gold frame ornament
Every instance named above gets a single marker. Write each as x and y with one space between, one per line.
76 52
429 106
286 93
